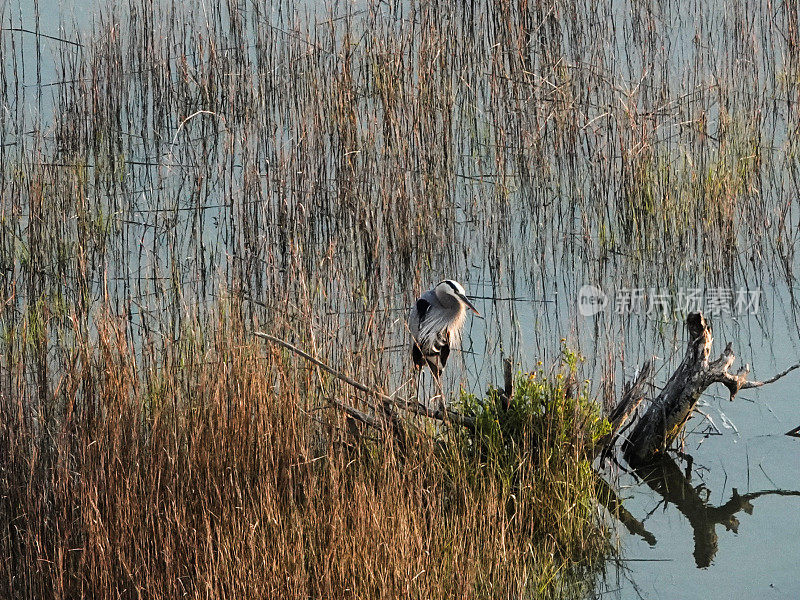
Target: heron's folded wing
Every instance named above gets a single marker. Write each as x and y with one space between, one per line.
422 309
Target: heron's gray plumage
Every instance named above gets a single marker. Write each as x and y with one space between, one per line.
435 322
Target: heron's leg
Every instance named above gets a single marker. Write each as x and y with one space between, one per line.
436 371
416 355
442 405
433 362
417 381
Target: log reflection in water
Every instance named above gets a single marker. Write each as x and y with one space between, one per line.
665 477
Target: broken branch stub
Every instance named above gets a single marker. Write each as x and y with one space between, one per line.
624 410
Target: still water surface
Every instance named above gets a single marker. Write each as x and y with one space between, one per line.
732 529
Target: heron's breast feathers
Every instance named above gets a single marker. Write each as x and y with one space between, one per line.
436 332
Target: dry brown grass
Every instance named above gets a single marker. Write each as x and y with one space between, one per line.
213 480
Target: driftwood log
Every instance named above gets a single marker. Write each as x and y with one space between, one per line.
664 419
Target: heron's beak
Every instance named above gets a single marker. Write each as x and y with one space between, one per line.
468 303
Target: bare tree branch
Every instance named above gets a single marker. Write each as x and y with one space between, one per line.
754 384
358 415
631 399
446 415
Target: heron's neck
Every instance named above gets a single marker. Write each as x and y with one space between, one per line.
456 325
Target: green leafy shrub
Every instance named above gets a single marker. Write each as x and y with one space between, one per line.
536 451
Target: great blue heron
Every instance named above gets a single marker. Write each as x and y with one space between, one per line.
435 323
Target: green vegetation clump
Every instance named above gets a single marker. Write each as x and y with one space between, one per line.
536 449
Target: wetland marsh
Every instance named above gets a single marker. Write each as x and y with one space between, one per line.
176 175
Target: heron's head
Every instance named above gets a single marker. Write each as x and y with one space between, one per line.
451 294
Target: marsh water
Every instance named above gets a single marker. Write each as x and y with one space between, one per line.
326 163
